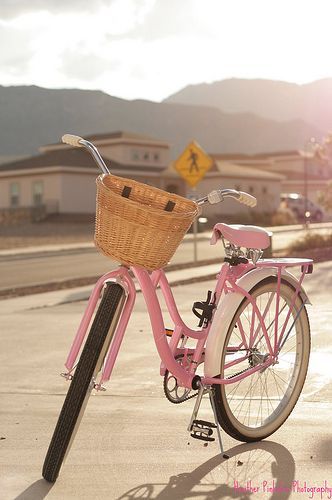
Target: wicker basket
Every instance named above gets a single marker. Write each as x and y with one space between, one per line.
133 224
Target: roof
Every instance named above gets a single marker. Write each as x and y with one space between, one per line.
292 175
110 136
252 157
71 157
120 135
233 170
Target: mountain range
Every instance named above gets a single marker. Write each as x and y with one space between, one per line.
270 99
231 116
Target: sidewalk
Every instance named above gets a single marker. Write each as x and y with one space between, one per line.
72 247
133 443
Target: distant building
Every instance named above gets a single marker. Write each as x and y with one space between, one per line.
61 179
301 173
265 186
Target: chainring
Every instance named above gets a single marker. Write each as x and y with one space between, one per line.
174 392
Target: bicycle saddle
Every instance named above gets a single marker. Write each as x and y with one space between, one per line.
242 236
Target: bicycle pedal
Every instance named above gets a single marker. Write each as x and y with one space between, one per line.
169 332
99 387
203 430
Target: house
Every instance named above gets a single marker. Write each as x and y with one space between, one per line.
61 179
265 186
303 173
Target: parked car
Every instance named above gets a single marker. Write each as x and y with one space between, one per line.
298 204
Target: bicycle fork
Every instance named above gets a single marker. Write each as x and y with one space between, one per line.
117 330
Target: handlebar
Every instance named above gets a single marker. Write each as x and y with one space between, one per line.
215 196
78 142
219 195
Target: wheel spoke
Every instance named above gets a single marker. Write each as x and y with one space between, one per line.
257 404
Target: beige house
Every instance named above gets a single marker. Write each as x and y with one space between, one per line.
301 172
265 186
61 179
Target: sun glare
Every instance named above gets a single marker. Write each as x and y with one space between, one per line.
150 49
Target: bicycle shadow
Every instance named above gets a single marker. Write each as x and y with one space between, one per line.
280 467
325 450
36 491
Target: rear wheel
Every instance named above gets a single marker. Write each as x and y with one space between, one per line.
89 365
254 407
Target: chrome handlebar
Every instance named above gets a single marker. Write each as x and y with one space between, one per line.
215 196
219 195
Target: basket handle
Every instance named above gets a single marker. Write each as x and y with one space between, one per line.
169 205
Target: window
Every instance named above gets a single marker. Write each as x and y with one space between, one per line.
156 156
135 155
251 190
146 156
14 194
264 190
37 193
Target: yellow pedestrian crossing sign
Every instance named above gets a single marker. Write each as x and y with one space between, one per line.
193 164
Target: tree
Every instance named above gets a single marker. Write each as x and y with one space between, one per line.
325 197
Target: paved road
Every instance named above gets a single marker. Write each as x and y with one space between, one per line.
48 267
132 443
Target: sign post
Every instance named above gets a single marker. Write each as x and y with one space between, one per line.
192 166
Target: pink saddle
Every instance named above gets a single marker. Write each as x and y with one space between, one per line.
242 236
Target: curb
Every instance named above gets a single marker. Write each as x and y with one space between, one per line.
10 293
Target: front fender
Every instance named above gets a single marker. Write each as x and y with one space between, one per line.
226 310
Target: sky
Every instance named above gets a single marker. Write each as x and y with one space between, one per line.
150 49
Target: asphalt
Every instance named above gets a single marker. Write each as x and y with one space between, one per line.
132 442
51 267
49 250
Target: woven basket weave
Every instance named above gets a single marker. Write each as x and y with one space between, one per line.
137 230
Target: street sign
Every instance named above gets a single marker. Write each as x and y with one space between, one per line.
193 164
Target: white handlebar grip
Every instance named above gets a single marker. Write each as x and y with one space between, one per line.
72 140
214 197
247 199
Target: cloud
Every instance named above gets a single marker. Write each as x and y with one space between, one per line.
151 48
85 66
15 59
14 8
170 18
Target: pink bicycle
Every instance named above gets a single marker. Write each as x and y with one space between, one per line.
250 352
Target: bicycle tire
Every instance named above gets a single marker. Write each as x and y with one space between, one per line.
235 402
81 385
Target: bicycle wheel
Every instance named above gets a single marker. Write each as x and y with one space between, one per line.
253 408
89 365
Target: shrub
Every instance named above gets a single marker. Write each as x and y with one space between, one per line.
325 197
310 241
283 217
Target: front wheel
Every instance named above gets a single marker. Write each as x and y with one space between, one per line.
87 369
256 406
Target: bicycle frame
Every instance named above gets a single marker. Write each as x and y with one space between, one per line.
226 284
243 327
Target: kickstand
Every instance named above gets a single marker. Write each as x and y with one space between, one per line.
210 391
205 431
201 391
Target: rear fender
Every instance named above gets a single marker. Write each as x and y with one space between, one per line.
226 310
